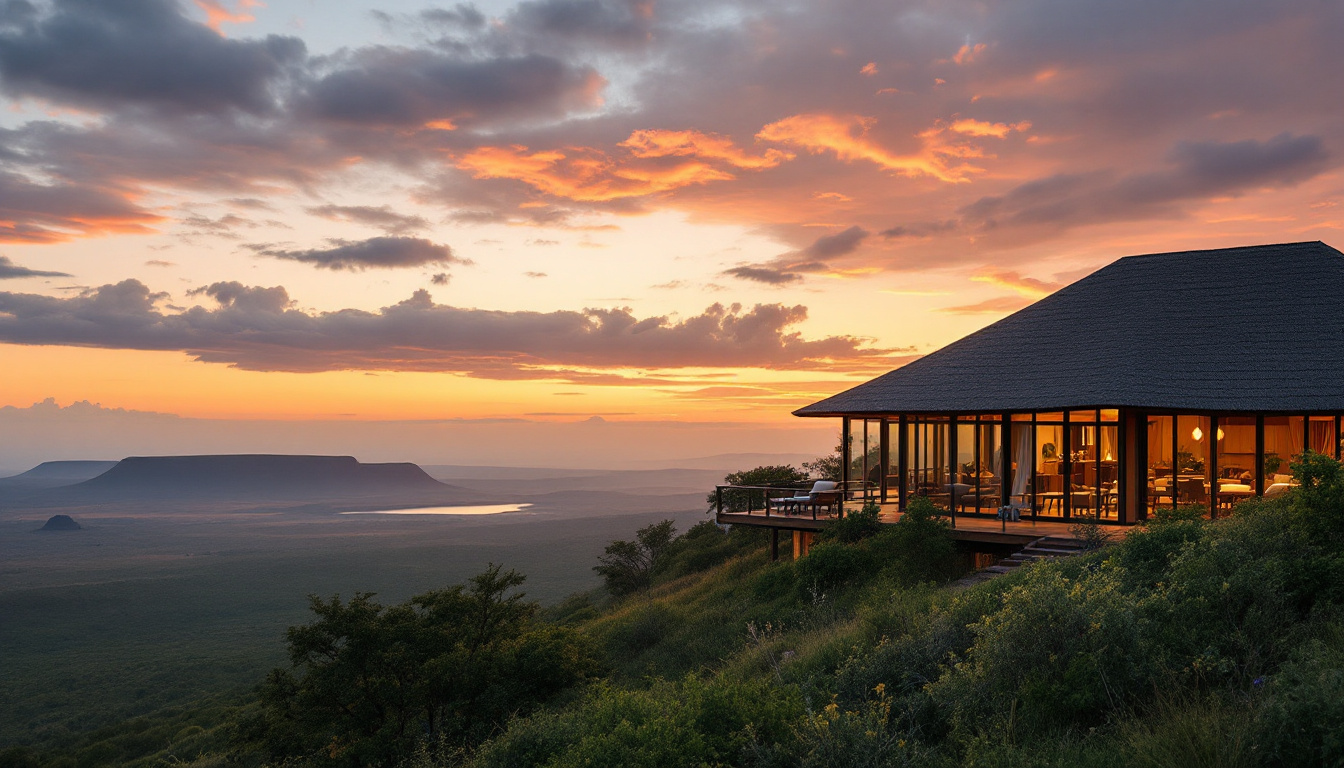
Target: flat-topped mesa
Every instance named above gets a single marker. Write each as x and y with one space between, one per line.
257 475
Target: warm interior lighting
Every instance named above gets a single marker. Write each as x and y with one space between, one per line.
1198 434
1220 433
1109 457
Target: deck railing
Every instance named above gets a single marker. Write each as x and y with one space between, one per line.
763 497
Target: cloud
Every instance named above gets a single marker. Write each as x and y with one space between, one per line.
1197 171
461 15
998 305
661 143
785 269
652 163
408 87
260 329
847 137
9 270
764 274
217 14
381 216
103 54
441 278
611 24
53 213
1026 286
375 252
972 127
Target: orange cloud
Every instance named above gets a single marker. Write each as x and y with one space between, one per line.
846 136
981 128
999 305
1026 286
587 174
216 14
658 143
967 53
584 174
869 69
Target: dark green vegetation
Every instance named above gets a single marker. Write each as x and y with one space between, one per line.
1190 643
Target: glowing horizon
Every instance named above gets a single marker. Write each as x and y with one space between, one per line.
643 212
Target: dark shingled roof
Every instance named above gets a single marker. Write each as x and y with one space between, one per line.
1259 328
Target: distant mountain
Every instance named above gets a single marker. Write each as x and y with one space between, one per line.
50 474
252 477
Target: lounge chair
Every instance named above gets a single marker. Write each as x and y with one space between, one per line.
823 494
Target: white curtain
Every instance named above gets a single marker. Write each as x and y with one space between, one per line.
1021 457
1108 438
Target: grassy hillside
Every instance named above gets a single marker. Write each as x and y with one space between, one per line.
1191 643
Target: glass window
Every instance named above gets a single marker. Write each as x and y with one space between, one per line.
1108 471
1236 459
893 459
1084 482
963 486
1161 475
1110 414
1022 417
1283 440
928 473
1321 437
989 480
1050 470
1050 416
1083 416
1192 453
1021 453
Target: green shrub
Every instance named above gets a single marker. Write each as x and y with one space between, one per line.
1205 733
668 724
1301 721
827 565
918 547
856 525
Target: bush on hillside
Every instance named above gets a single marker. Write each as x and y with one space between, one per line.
369 681
627 566
856 525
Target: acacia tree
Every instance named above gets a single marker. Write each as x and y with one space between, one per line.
367 682
627 566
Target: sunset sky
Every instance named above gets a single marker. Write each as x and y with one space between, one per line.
652 211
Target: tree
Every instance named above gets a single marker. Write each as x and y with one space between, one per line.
627 566
368 682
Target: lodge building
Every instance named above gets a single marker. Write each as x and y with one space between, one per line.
1173 378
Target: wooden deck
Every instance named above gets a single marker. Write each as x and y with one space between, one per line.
971 529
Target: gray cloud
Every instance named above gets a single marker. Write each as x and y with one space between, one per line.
259 329
9 270
463 15
381 216
829 247
1198 170
786 269
619 24
384 86
375 252
109 53
763 274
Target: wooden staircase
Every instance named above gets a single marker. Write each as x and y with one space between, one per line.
1044 548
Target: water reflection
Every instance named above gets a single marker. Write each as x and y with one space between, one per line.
481 509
